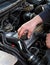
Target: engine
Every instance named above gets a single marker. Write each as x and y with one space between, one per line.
10 13
13 13
24 51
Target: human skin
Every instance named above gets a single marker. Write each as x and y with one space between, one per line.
30 26
48 40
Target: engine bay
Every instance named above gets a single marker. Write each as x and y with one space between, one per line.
14 13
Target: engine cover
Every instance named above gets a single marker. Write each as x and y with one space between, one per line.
7 59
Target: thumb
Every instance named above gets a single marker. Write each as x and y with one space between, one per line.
29 34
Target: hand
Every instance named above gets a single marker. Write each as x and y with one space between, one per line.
48 40
29 26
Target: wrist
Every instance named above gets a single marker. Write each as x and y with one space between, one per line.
37 20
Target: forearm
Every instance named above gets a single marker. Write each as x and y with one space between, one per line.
36 20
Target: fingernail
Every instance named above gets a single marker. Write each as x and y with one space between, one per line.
28 37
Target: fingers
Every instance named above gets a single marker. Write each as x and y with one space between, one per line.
48 40
22 31
19 30
25 29
29 34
